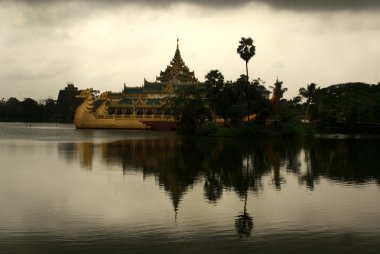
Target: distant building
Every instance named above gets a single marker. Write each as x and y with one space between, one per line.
67 103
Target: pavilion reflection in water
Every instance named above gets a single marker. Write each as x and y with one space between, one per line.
178 164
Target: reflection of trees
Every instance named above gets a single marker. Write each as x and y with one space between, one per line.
275 162
231 164
213 187
87 154
240 165
347 160
84 152
68 151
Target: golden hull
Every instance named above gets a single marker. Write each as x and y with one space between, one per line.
84 120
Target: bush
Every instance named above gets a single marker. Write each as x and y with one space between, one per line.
207 129
289 129
254 130
226 132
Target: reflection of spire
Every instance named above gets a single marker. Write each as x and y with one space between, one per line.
175 192
175 212
174 187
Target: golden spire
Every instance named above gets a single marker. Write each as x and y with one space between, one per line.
177 71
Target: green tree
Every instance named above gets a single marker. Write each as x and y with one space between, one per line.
254 93
230 104
214 87
48 109
31 110
13 110
246 50
190 108
308 93
349 107
2 109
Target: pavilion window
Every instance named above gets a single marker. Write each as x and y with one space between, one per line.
128 111
139 111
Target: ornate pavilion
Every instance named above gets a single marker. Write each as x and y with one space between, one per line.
147 101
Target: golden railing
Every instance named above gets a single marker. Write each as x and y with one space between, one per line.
137 117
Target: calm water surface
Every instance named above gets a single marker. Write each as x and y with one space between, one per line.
101 191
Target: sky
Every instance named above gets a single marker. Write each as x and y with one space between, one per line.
105 43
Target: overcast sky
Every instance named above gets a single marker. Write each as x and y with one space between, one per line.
104 43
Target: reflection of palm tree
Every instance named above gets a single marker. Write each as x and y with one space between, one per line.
244 222
309 176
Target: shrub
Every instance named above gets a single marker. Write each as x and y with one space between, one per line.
207 129
289 129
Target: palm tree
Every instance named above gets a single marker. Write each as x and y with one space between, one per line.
308 93
246 50
278 93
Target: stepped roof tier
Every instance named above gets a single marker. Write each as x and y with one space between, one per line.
154 94
176 73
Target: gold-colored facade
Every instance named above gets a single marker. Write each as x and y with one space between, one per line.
137 107
148 99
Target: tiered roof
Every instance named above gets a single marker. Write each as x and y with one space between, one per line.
177 72
176 75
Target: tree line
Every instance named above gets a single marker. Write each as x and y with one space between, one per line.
29 110
350 107
254 110
248 108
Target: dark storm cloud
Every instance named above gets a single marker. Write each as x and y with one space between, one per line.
306 5
323 4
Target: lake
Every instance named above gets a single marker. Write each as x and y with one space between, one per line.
64 190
